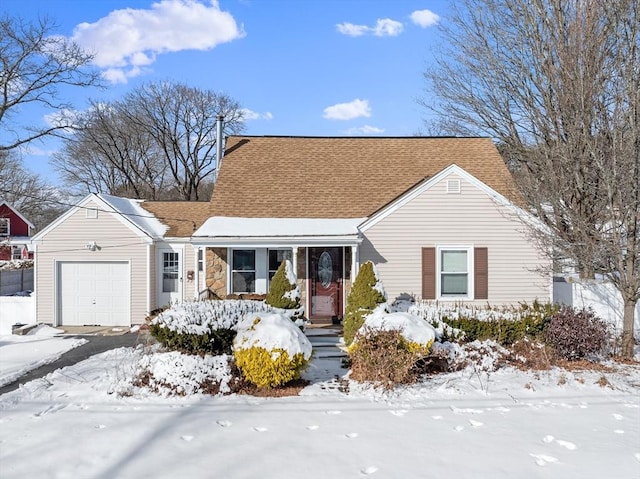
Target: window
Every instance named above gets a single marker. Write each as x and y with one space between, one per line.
243 272
454 272
4 226
276 257
200 260
16 252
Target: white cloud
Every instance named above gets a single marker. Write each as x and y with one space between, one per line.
384 27
387 28
254 115
365 130
351 29
424 18
348 111
127 40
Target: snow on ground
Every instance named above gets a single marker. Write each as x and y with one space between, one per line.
468 424
42 345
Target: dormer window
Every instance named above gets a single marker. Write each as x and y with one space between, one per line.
4 227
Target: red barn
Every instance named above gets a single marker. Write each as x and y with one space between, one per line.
15 233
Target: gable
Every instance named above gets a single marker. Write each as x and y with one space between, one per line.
284 177
94 211
449 191
19 225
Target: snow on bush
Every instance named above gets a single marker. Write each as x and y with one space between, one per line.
531 318
413 328
366 294
173 373
284 293
270 350
198 317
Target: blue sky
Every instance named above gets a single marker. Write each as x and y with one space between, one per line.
299 67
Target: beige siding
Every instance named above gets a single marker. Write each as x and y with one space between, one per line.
66 242
471 218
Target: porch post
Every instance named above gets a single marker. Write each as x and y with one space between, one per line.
294 260
355 261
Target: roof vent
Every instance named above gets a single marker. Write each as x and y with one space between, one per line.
453 186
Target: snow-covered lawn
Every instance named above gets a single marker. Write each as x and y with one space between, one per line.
42 345
508 424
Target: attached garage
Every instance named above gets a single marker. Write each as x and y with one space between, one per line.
93 293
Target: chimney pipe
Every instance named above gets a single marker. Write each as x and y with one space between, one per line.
219 141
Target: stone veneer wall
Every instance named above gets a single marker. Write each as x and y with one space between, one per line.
217 271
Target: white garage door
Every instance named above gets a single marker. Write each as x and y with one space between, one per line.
93 293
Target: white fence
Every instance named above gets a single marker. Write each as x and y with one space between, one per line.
602 297
16 310
15 280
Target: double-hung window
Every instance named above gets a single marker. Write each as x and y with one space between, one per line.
454 272
243 271
4 226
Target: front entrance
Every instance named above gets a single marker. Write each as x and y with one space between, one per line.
326 273
169 276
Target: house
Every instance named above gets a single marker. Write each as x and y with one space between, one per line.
15 232
110 261
437 216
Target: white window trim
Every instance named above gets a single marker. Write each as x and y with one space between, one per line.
8 223
470 272
232 270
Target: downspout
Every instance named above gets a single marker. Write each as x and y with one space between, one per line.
219 141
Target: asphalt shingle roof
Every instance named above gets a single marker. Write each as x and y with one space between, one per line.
182 217
341 177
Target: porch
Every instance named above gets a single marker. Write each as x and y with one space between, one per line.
242 255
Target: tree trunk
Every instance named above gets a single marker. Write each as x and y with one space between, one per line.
628 341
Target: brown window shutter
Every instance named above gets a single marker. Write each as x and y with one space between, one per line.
481 273
428 273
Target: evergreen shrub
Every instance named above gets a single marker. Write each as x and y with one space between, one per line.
366 293
269 369
270 350
284 292
527 321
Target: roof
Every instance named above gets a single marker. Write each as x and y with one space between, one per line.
181 217
17 213
341 177
273 227
132 211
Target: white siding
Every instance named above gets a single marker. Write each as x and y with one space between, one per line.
67 241
471 218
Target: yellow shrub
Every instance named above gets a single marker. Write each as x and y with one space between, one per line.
269 368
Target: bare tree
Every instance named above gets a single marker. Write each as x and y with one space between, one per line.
158 142
35 66
111 153
182 121
37 200
557 84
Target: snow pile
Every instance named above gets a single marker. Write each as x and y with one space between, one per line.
172 372
378 286
294 294
412 328
272 331
203 316
16 264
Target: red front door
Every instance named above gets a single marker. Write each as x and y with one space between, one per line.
326 271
